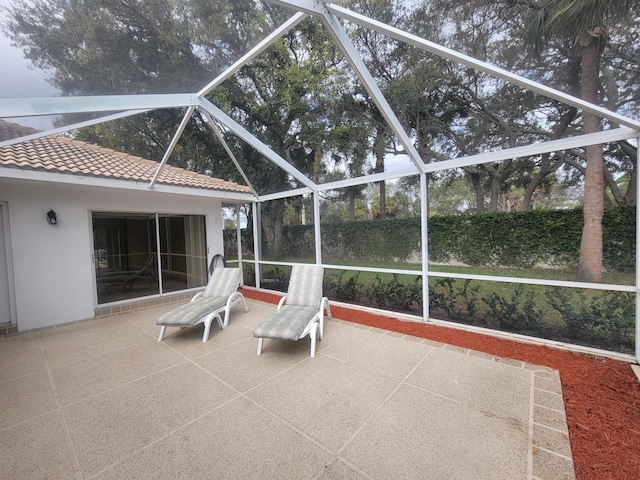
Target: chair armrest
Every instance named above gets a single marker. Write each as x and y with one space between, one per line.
324 306
281 302
197 296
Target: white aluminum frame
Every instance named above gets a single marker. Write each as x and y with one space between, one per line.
329 14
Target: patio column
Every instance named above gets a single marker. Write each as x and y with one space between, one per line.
637 349
424 231
239 242
316 227
257 241
158 253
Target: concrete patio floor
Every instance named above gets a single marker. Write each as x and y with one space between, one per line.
104 399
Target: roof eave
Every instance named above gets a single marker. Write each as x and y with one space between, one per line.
113 183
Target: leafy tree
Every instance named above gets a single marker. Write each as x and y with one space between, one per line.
586 24
284 97
135 46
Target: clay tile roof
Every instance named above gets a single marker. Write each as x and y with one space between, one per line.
61 154
13 130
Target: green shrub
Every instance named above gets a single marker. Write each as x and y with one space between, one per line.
548 238
349 290
517 313
602 319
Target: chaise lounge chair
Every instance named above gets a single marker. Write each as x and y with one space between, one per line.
215 301
303 312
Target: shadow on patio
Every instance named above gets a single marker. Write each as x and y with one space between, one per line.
103 399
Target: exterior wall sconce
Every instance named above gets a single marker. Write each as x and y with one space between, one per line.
52 218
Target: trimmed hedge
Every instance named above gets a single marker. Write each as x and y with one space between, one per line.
546 238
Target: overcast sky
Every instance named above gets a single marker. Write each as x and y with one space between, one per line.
17 80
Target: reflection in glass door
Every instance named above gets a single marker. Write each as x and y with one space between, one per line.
126 257
183 252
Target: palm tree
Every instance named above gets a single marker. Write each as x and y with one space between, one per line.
586 21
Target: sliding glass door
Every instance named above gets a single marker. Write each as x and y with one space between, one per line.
126 254
183 252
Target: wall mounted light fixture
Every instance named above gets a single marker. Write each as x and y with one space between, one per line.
52 218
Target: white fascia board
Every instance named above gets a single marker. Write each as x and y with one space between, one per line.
250 139
254 52
72 126
86 181
285 194
202 192
30 107
578 141
479 65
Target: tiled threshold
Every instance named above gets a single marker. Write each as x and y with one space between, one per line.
141 304
8 329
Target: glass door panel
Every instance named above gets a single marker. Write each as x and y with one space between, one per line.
125 256
183 252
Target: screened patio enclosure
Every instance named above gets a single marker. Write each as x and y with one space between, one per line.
333 17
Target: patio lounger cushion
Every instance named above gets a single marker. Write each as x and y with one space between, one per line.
288 323
192 312
303 313
213 303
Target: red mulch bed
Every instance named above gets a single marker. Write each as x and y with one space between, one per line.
601 396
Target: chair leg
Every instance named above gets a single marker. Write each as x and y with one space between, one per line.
260 340
244 305
222 324
207 329
162 329
312 335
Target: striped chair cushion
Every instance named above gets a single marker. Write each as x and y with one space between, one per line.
223 282
191 312
288 323
305 286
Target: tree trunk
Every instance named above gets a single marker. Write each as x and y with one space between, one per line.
547 167
474 175
297 211
352 204
590 264
495 193
272 220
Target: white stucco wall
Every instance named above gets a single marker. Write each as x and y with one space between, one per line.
53 270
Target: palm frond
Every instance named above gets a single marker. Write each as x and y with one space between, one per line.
575 17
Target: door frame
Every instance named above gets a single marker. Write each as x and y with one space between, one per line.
5 230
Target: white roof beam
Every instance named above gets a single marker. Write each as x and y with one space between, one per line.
172 145
73 126
479 65
376 177
518 152
32 107
356 62
245 135
253 53
313 7
286 194
578 141
216 130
